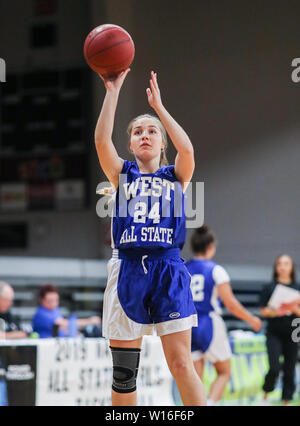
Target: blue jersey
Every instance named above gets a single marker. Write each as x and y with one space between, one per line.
149 210
206 276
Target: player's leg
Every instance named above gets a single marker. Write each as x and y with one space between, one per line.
199 367
122 331
126 357
219 354
223 369
177 349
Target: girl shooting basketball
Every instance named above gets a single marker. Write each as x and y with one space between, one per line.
148 283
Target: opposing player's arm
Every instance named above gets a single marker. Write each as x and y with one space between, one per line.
185 162
109 159
235 307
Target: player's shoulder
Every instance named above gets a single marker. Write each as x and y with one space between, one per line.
129 166
220 274
201 264
168 172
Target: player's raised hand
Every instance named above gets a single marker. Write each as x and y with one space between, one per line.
153 92
116 83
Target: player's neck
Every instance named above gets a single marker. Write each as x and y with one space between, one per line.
148 167
201 257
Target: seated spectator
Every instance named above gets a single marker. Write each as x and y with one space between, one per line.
48 320
9 325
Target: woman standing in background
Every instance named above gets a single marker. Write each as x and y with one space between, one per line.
279 331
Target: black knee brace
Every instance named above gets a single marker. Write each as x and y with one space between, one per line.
125 369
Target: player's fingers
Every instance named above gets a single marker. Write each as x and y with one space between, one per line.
121 75
154 78
105 81
126 72
153 88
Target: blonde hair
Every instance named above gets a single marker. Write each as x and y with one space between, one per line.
163 157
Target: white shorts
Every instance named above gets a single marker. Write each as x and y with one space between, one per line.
219 348
116 325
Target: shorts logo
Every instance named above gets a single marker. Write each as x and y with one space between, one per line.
175 315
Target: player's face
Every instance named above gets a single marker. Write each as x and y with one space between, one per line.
146 140
284 266
50 301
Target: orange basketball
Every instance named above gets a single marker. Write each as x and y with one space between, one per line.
109 50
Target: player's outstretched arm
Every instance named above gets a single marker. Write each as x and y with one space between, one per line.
185 162
236 308
109 159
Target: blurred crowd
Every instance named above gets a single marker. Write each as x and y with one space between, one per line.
48 320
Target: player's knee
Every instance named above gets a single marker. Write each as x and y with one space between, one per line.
225 375
180 367
223 369
125 369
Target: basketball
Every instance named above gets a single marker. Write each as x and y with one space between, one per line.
109 50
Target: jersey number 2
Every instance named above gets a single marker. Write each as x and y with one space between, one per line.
197 287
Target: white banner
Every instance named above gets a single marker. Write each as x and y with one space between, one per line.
78 372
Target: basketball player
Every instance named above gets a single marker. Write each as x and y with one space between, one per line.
209 283
148 283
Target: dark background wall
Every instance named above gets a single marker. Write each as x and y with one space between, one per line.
225 75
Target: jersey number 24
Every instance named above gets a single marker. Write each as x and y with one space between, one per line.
140 213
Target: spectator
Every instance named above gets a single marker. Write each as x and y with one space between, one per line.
48 320
279 331
9 325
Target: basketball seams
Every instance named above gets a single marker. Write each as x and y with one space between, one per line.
96 35
110 47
